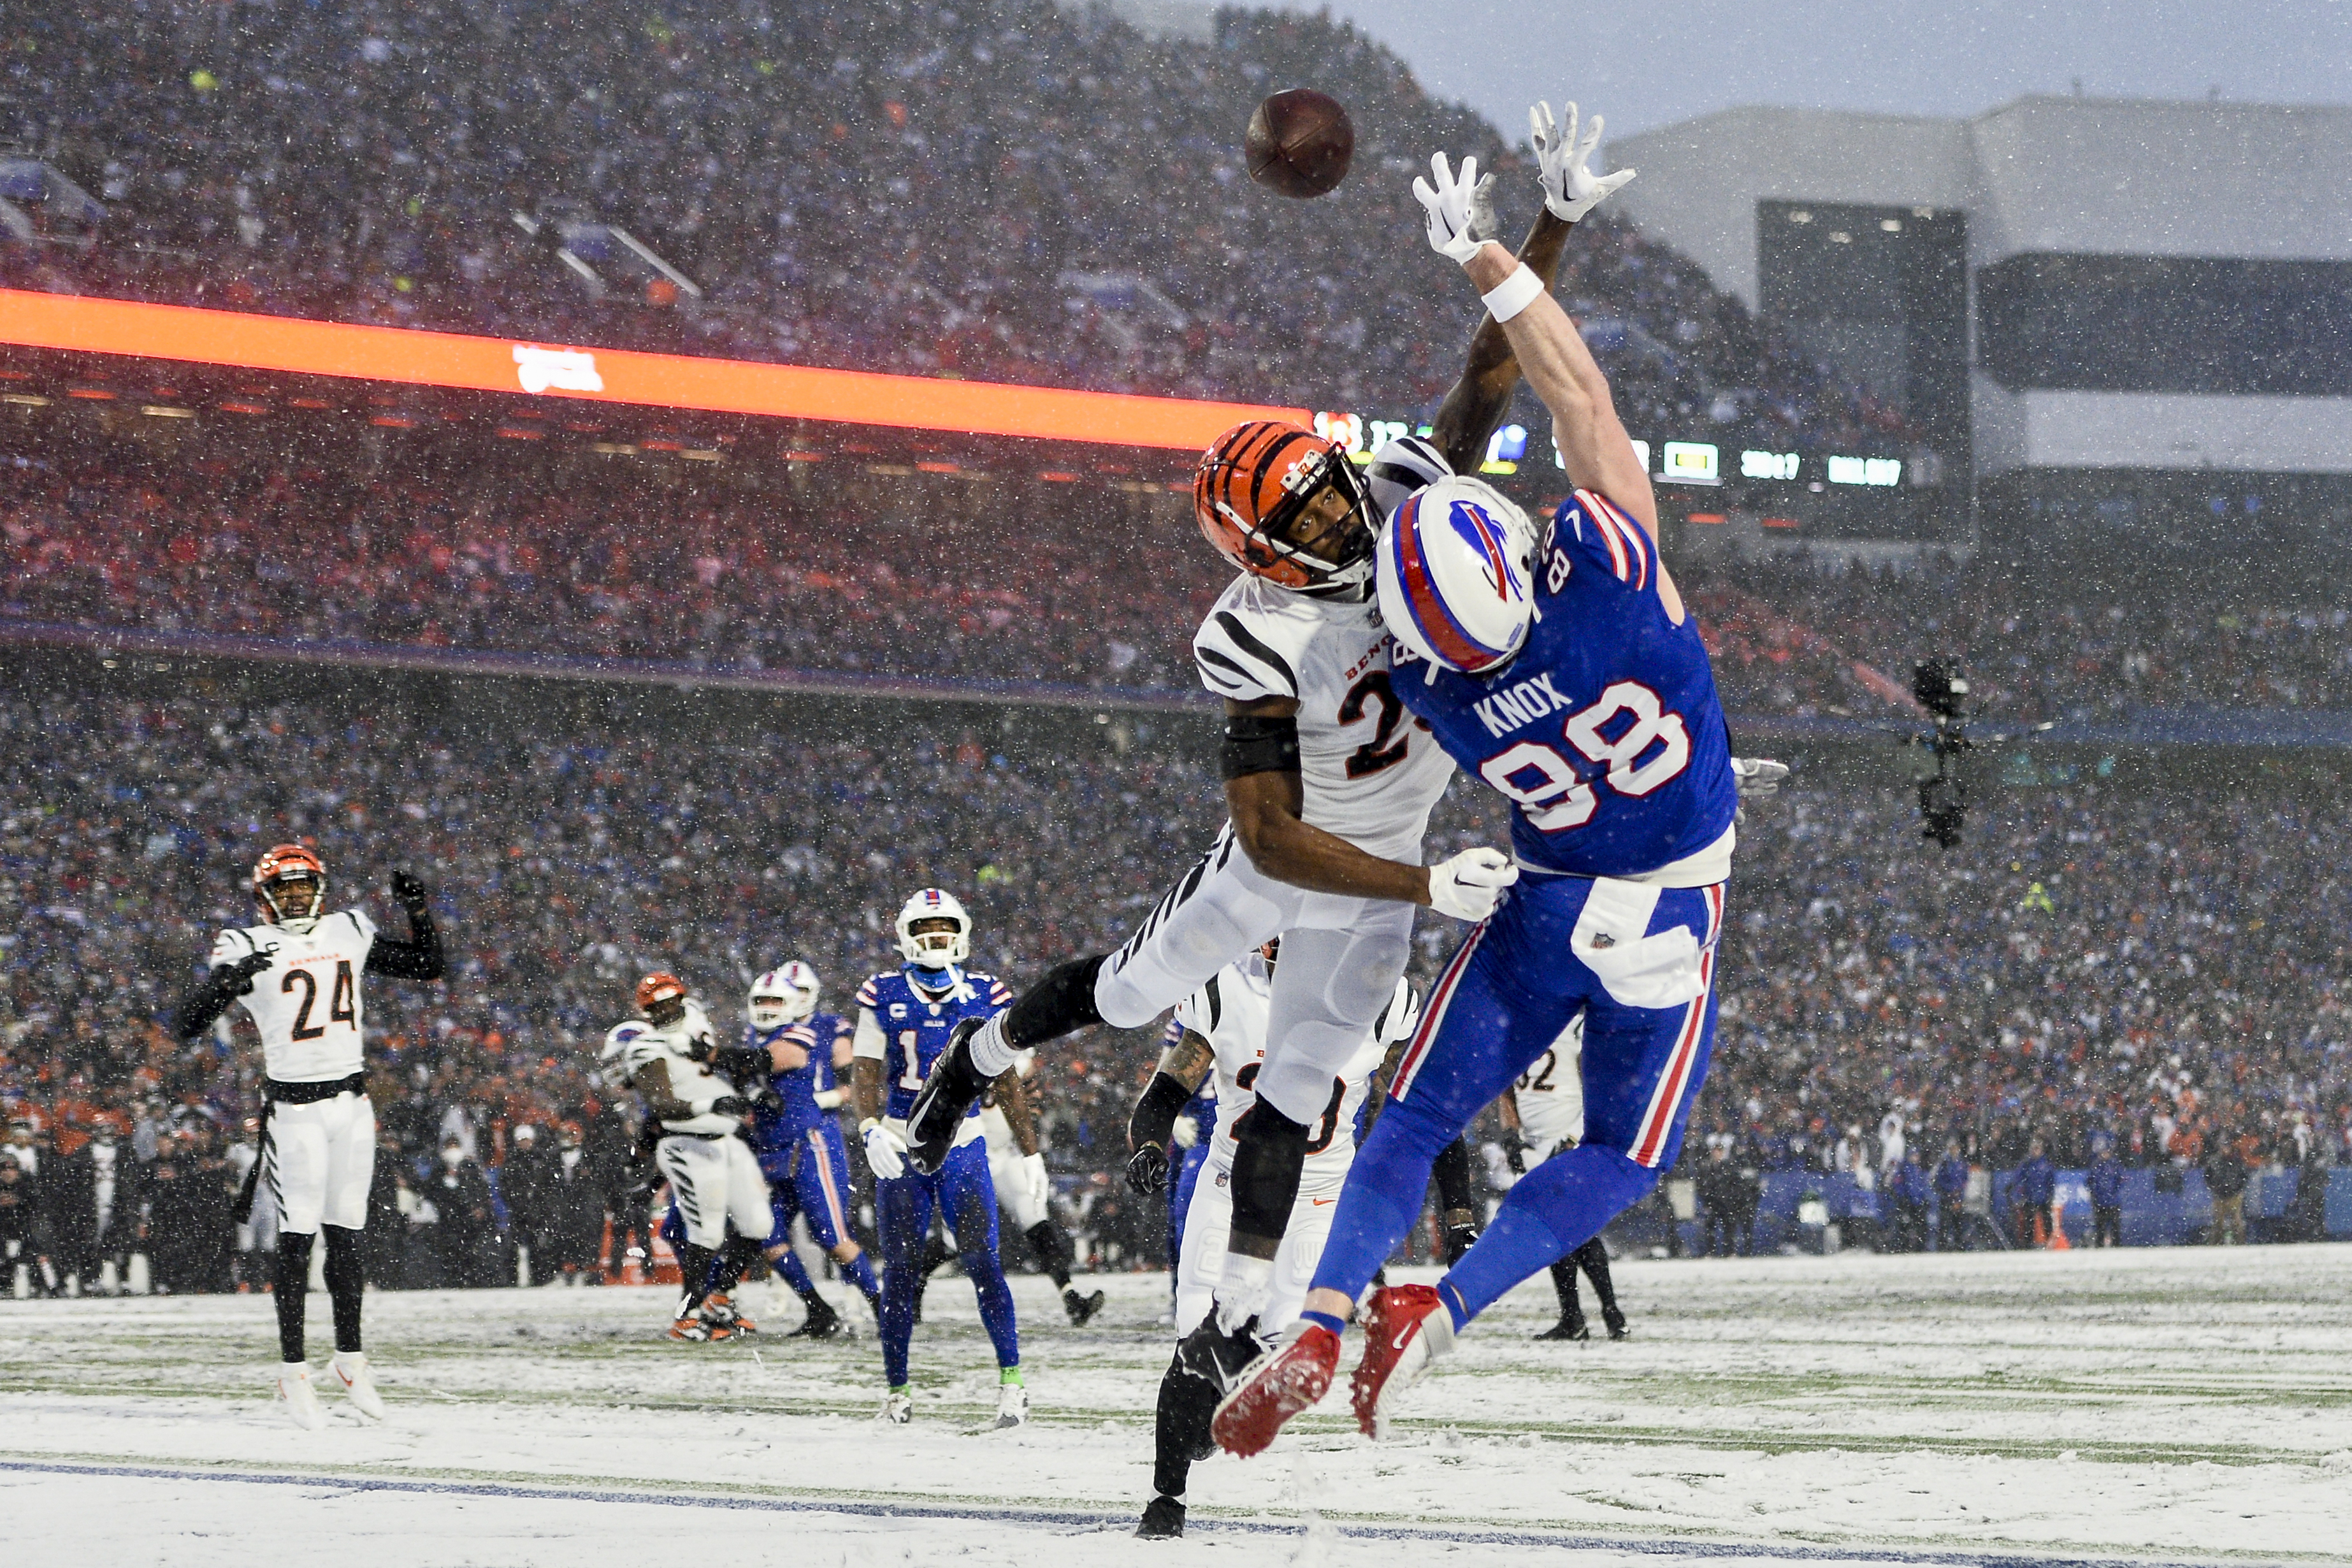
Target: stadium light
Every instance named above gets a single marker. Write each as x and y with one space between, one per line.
396 354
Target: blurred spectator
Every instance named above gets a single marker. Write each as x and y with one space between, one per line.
2105 1181
527 1180
2226 1178
465 1235
2030 1195
575 1212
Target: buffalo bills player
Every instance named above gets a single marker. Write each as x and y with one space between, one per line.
1565 671
903 1020
798 1138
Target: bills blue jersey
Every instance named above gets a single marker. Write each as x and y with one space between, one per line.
778 1126
1604 730
915 1022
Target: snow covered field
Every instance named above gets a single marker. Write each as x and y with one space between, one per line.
2162 1404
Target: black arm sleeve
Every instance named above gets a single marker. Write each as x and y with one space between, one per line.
741 1063
200 1006
1452 1174
418 958
1154 1121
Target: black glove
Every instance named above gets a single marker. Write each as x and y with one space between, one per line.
1147 1169
1514 1155
237 979
764 1098
411 893
731 1106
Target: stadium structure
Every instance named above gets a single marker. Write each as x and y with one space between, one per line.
2118 322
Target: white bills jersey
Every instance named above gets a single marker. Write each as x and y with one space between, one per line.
1551 1093
685 1047
306 1005
1229 1013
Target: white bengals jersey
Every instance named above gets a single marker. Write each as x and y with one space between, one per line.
1550 1093
1229 1013
1371 770
689 1079
306 1005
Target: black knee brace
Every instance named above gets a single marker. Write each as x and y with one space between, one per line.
1061 1002
1270 1152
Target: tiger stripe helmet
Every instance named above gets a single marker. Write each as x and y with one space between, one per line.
1253 483
285 863
659 987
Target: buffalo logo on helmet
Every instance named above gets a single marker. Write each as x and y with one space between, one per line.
1452 576
1258 481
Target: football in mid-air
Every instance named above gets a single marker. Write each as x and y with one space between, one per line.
1299 142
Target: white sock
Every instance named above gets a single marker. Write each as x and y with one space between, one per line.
992 1053
1243 1289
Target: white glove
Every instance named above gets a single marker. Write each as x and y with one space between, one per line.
1571 190
1032 1176
1469 885
1461 209
885 1150
1757 777
1185 1133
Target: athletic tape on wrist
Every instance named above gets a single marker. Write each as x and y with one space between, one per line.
1514 294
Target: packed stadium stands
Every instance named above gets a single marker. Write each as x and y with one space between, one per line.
2083 973
1098 588
999 189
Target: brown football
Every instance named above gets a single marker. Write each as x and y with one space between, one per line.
1299 142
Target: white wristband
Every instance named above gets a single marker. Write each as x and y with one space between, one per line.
1514 294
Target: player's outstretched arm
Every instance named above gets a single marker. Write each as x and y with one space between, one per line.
1475 404
419 958
1266 796
209 997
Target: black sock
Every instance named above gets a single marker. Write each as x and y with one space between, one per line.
1593 1259
1563 1284
346 1279
1046 1240
738 1254
693 1267
1061 1002
293 1291
1181 1431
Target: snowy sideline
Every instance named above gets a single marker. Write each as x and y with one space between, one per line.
2164 1404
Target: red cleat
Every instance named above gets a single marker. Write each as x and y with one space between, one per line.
1406 1327
1280 1385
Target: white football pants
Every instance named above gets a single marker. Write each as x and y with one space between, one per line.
1340 960
1208 1225
1005 1171
320 1159
714 1181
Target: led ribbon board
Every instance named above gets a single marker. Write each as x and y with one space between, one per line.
613 375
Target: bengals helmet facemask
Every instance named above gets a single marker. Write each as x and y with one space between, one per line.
289 882
661 996
1285 505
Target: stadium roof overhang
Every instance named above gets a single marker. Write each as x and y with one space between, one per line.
552 385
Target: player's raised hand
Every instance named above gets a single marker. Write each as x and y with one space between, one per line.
1757 777
885 1151
237 979
1571 190
1459 209
1470 884
410 892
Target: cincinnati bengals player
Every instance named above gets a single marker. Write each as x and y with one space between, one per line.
317 1141
1329 783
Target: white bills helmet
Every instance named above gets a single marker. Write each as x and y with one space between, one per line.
934 949
1454 575
782 996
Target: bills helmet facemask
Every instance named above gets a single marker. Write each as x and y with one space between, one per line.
782 996
1456 576
1285 505
933 930
289 882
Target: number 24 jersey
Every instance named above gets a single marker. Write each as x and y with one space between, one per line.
306 1005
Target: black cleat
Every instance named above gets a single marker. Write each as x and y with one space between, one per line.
1163 1519
1616 1321
1081 1309
947 1095
1459 1239
821 1321
1568 1328
1220 1359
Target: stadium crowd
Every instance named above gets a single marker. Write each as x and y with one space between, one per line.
908 575
2086 974
1000 189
